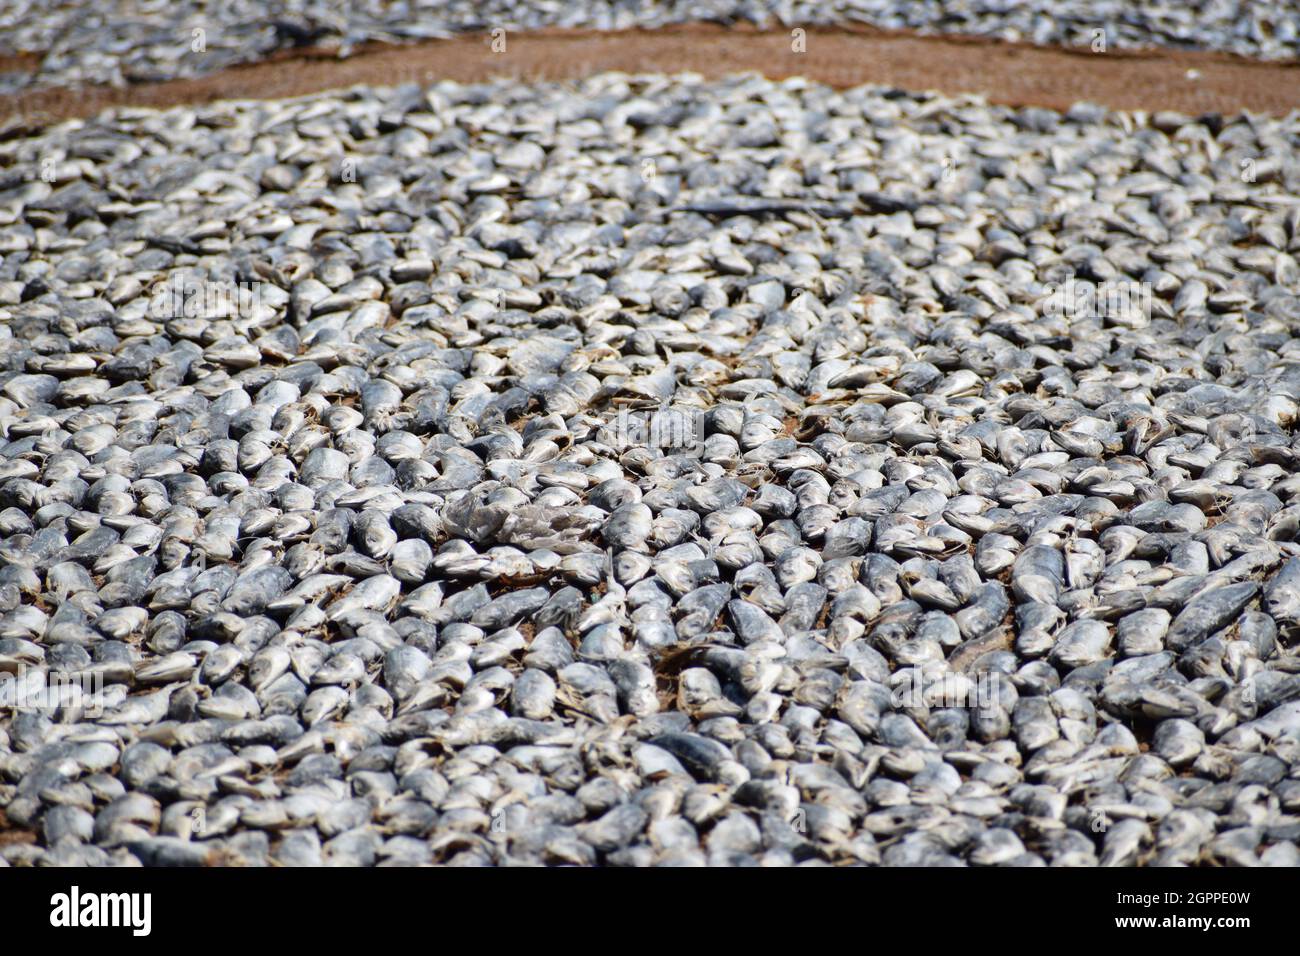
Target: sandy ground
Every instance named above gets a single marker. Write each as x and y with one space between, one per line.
1015 74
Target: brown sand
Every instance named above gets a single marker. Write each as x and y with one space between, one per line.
1013 74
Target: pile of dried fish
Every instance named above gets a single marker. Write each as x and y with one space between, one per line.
649 471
